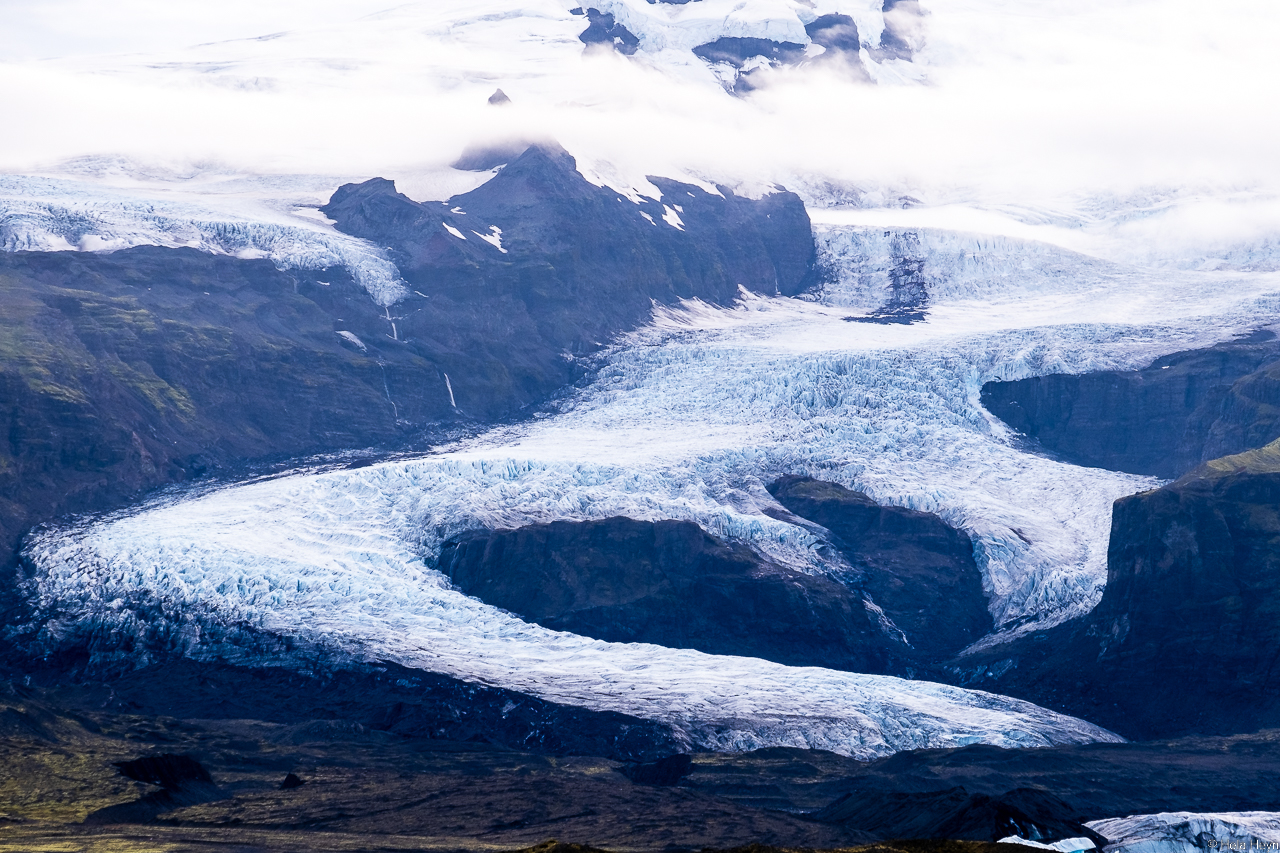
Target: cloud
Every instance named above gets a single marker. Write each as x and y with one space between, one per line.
1036 103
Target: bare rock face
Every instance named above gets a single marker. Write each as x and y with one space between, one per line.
669 583
1187 635
917 569
673 584
1164 420
1192 608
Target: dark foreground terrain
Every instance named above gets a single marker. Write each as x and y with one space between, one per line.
76 776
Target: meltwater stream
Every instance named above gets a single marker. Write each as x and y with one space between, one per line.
689 419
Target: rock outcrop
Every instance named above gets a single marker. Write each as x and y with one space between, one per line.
1187 635
957 814
181 780
669 583
1090 782
914 599
1163 420
917 569
604 30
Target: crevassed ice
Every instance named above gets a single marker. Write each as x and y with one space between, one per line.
1189 832
44 214
690 418
1157 230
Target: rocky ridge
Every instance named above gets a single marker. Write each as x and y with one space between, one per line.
1183 409
919 571
910 596
669 583
1185 637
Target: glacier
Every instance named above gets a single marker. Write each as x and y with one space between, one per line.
689 418
1188 832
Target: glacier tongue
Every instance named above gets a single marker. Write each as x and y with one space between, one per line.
863 262
689 419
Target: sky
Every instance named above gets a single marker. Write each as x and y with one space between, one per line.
46 29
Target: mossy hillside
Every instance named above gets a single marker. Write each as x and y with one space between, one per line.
54 769
123 372
1260 460
367 788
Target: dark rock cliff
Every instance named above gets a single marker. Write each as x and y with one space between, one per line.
670 583
1187 635
917 569
1163 420
581 262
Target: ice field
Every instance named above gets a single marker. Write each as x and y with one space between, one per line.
259 218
